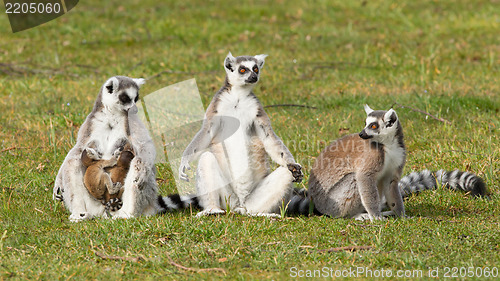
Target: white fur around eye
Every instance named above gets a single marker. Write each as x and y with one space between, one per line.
370 120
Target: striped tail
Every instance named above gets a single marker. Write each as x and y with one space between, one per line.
456 180
57 194
176 202
300 204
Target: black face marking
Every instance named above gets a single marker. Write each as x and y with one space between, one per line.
364 135
124 98
373 126
252 79
136 98
255 69
242 70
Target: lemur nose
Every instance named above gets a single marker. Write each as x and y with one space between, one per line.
362 134
252 79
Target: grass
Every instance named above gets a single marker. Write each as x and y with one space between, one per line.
440 57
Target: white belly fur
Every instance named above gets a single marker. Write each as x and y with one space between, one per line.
237 146
393 159
107 135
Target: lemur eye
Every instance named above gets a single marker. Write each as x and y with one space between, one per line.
256 70
242 70
374 126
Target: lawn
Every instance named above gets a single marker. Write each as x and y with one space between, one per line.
440 57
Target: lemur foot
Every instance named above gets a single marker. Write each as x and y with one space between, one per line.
240 210
366 216
296 170
267 215
210 212
78 217
122 215
116 188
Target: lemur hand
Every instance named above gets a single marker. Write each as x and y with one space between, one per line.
93 153
182 170
117 153
296 170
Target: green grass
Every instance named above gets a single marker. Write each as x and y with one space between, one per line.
438 56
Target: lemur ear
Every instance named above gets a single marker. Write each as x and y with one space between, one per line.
111 85
390 117
261 59
229 62
139 81
368 110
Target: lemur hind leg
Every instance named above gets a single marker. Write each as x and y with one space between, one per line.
211 186
394 199
268 195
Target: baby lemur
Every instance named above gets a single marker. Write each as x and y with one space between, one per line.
359 174
104 179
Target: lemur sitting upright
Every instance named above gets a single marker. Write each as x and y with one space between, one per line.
359 174
233 170
114 117
104 179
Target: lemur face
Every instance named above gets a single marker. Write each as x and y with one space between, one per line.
120 93
243 70
379 124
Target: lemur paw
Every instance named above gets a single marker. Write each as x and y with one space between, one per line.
267 215
122 215
240 210
210 212
93 153
296 170
366 216
116 188
182 170
117 153
78 217
141 173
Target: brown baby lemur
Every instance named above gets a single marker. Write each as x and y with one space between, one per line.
104 179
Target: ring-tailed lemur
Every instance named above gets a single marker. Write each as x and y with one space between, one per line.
104 179
233 163
114 117
360 173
